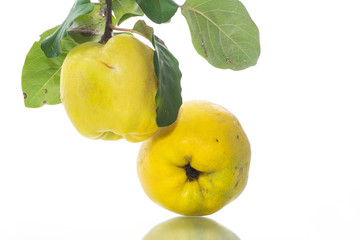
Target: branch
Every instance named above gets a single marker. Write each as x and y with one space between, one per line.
108 30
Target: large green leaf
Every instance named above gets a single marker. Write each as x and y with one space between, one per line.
124 9
223 32
168 98
51 45
88 27
159 11
41 75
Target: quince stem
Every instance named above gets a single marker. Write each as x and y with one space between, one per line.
108 30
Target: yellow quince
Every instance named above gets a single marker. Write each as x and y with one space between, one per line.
197 165
109 90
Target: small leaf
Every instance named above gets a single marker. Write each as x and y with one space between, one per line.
159 11
51 45
124 9
146 31
88 27
223 33
168 98
41 75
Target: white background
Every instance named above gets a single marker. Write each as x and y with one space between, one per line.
299 107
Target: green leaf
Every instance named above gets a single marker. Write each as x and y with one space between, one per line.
88 27
41 75
124 9
223 33
159 11
168 98
146 31
51 45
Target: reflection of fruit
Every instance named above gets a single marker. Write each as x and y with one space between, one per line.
197 165
190 228
109 91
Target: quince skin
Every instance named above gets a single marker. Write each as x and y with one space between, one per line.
109 90
197 165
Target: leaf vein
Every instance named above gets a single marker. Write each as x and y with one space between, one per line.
44 84
218 10
202 4
212 45
220 29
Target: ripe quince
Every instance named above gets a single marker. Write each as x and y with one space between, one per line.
109 90
197 165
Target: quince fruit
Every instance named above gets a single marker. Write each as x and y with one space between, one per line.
109 90
197 165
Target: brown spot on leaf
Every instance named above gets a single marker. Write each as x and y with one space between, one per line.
162 42
44 102
217 140
45 90
25 95
228 60
205 50
87 32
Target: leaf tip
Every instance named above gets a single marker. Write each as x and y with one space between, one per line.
50 51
